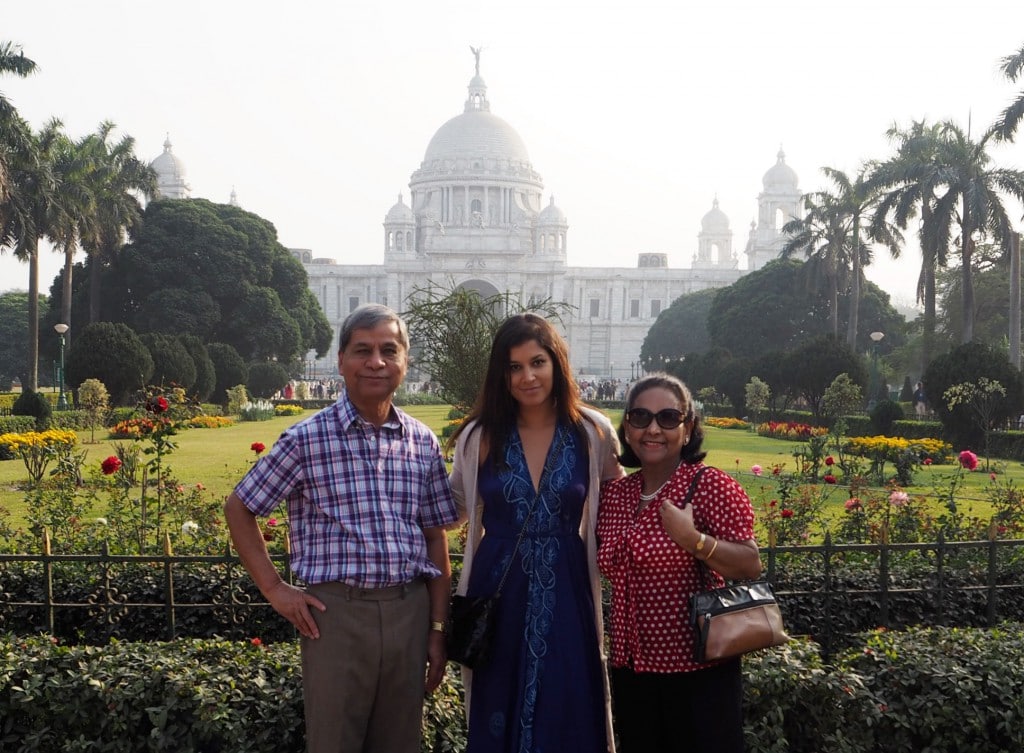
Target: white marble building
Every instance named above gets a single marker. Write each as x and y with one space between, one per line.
477 215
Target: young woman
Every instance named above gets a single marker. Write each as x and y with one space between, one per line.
650 546
532 455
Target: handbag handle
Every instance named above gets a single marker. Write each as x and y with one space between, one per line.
533 506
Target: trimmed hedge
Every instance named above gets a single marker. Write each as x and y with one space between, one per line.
942 690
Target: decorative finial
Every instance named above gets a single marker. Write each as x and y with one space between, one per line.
476 54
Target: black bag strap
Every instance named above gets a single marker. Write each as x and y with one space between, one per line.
559 441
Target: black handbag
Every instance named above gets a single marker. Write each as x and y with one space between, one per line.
472 619
734 619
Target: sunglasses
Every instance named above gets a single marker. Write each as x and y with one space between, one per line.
667 418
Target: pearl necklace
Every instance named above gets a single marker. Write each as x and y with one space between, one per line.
655 493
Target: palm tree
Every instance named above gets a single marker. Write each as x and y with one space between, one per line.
26 216
908 184
120 175
73 212
12 135
973 202
822 235
831 233
1009 119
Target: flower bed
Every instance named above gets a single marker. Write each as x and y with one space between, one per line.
890 448
791 430
726 422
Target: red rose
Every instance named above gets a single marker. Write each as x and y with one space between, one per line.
830 460
786 513
256 642
157 404
111 465
968 460
257 447
926 461
830 479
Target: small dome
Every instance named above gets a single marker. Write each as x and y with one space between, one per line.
780 176
552 215
400 213
167 165
715 220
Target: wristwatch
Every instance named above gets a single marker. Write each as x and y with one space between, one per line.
438 626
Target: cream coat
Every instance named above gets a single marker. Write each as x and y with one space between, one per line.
604 465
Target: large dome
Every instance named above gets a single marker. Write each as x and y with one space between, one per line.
476 134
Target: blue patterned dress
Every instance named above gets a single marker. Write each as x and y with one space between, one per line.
542 691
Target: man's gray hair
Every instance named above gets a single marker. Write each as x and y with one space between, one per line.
368 316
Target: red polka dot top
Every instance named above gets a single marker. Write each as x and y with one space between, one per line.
652 577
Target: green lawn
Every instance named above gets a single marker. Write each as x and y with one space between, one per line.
217 458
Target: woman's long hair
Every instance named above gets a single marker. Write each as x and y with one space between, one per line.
691 452
495 410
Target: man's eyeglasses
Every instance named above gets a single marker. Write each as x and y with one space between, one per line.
667 418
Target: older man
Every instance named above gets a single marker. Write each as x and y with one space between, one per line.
368 500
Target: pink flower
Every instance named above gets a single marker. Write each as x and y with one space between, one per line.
926 461
830 460
992 476
271 521
786 513
111 465
852 504
829 478
898 498
756 470
968 460
257 447
256 641
200 487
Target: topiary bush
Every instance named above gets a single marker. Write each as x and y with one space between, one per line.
884 415
31 403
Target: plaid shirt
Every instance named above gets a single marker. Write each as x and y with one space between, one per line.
358 499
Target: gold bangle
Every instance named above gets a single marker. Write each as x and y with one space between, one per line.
437 627
700 542
713 548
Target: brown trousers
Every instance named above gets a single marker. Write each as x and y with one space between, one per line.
363 678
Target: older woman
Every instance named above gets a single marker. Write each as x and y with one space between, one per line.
651 539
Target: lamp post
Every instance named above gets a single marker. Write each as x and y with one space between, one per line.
876 337
62 400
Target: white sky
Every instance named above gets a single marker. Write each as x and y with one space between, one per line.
637 113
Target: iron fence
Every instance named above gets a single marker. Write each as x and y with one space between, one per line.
946 575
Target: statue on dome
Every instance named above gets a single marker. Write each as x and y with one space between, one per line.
476 54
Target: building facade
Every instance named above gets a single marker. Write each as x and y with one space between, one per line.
477 216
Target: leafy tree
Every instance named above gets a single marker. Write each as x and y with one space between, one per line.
113 354
94 400
991 293
452 328
266 378
229 370
682 328
971 362
756 395
206 375
31 403
217 272
814 366
13 343
1006 125
842 398
172 363
982 399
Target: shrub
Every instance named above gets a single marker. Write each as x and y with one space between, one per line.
206 374
884 415
266 378
31 403
229 369
172 363
113 354
287 409
237 397
93 397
